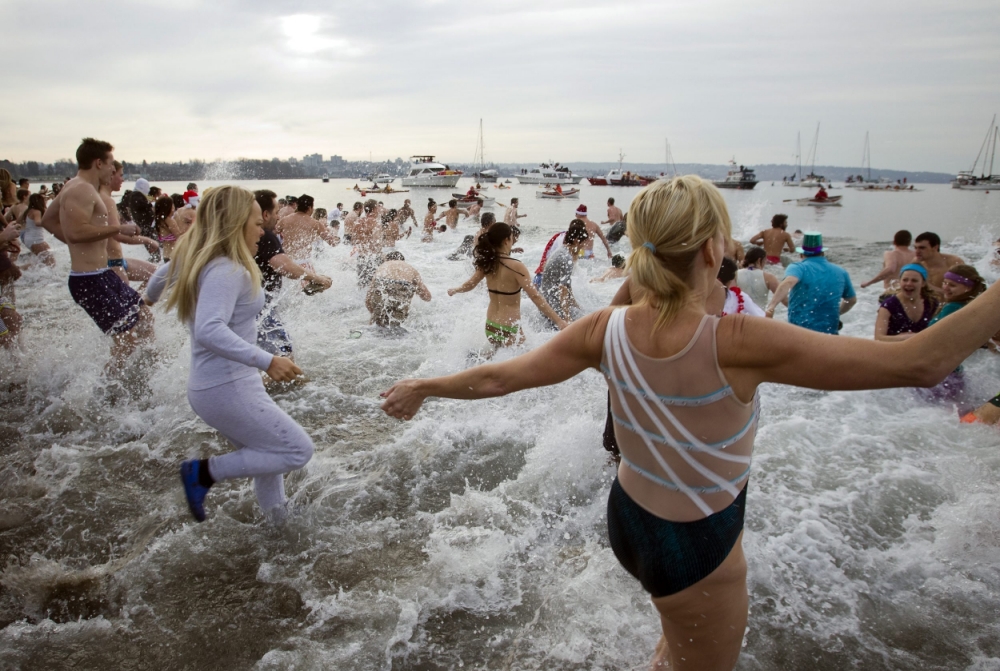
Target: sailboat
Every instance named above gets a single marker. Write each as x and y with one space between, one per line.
481 172
967 179
812 180
798 162
866 160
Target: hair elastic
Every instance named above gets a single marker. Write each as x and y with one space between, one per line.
650 246
915 267
960 279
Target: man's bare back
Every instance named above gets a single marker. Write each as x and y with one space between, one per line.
894 260
299 232
451 217
594 231
774 241
614 214
367 236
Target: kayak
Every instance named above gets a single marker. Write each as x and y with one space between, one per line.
488 201
831 201
569 193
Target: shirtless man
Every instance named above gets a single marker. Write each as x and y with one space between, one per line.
82 216
614 213
592 230
299 231
735 251
406 212
775 240
429 221
368 241
289 207
129 270
392 289
510 215
927 247
892 261
474 209
450 215
351 219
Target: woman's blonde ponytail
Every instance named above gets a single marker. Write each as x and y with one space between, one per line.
668 224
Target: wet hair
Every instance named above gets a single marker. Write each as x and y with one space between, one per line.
577 232
727 271
486 256
155 191
452 203
902 238
178 200
303 203
753 255
932 238
430 203
611 201
6 181
192 186
618 261
969 273
387 217
319 213
370 205
479 201
514 200
25 180
779 221
265 198
36 201
22 194
676 217
487 219
442 228
357 206
395 256
291 200
91 150
162 208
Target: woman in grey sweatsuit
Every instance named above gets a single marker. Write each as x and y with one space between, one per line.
215 287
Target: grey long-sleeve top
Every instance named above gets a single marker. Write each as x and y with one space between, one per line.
224 328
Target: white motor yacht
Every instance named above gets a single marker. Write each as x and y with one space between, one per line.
384 178
549 174
424 171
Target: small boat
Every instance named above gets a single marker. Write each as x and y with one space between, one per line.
385 189
742 178
383 178
829 202
326 178
569 193
502 186
488 201
618 177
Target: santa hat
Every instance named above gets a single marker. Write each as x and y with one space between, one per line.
188 195
581 211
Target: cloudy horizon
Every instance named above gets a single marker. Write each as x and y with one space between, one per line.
171 81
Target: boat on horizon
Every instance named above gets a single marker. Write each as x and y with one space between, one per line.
558 195
967 179
425 171
548 174
740 177
619 177
481 173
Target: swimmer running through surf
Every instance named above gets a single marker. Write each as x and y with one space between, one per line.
675 513
215 287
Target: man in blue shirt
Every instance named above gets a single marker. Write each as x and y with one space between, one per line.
818 291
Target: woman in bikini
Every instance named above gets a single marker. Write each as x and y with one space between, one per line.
684 398
505 277
168 230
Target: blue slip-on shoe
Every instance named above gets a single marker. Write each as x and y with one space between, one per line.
193 490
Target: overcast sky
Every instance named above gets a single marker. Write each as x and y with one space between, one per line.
566 81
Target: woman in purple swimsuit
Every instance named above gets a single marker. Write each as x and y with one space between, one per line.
909 311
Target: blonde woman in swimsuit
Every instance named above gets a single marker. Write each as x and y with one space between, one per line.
684 401
505 278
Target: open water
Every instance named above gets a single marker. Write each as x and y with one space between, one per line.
474 536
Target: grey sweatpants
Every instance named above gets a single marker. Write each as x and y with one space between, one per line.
268 442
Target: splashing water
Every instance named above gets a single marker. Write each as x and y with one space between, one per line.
473 536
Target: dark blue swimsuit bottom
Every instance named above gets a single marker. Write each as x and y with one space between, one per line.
666 556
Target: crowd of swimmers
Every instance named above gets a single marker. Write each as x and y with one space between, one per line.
687 341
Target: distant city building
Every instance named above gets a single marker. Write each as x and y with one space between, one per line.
312 160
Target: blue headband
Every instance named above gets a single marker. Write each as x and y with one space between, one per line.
650 246
915 267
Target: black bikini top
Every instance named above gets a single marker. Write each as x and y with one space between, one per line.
506 293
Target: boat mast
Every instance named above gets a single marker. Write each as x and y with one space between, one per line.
867 157
669 158
621 157
993 155
983 146
798 154
812 151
